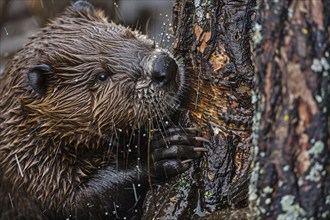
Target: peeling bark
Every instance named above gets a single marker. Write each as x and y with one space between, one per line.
291 177
212 37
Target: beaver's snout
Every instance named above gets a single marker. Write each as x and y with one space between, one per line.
164 69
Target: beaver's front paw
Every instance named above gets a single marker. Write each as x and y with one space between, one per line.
174 149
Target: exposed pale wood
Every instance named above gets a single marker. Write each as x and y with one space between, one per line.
212 37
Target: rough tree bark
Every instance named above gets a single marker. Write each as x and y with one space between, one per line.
212 37
291 177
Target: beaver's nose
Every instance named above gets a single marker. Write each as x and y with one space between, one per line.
164 69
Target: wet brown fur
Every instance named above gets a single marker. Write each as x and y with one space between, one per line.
50 144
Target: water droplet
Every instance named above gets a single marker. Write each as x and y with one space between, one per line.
5 30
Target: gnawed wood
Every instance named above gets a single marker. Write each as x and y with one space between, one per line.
212 37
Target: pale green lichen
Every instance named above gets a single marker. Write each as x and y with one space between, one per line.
326 214
202 10
290 12
323 92
254 98
268 189
315 172
268 201
316 65
325 64
316 149
197 3
301 181
325 110
280 183
257 36
199 11
327 200
291 210
262 210
318 98
253 196
252 188
183 180
319 64
208 194
257 116
286 168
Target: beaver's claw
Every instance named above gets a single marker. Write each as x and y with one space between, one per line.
174 149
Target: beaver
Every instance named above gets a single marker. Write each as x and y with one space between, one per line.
83 115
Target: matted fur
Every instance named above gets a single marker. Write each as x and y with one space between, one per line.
50 144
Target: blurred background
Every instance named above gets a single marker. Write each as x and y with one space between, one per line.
20 19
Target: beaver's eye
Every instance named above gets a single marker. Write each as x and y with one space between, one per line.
102 77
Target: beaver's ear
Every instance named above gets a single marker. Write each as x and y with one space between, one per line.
38 78
83 6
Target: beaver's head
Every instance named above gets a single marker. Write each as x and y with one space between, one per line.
86 76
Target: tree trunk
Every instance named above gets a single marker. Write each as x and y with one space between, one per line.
212 37
291 177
